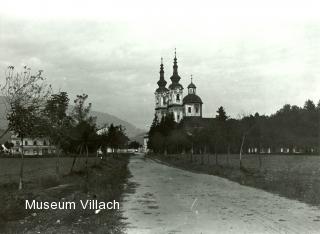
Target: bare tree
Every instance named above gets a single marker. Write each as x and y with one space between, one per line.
24 97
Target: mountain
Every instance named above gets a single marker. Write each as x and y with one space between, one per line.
139 138
102 118
105 118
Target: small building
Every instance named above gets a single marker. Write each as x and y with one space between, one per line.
32 146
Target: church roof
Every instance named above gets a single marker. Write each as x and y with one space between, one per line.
191 85
192 98
175 85
162 89
175 78
162 82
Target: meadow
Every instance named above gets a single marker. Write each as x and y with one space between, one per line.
37 168
105 181
293 176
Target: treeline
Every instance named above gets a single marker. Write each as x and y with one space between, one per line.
291 129
34 111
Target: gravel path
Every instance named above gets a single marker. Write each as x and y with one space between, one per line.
170 200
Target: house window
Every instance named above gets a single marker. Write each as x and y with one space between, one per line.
197 109
35 143
164 101
178 117
25 142
178 97
189 109
44 142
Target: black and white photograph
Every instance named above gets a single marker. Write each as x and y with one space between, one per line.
159 117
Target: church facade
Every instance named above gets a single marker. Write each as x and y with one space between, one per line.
172 99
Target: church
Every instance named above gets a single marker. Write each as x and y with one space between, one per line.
173 100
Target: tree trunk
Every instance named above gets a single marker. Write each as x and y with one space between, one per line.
228 154
240 154
95 160
21 167
4 133
74 159
87 157
260 161
191 156
58 164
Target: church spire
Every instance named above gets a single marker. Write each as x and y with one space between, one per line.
162 82
175 64
191 87
175 78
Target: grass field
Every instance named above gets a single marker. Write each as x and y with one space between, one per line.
35 168
292 176
105 182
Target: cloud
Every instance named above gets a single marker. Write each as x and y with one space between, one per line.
244 64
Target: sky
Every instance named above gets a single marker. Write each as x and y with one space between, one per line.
247 56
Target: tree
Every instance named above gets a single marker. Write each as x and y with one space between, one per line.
58 122
84 131
134 145
221 114
220 131
24 95
309 105
116 137
153 129
103 140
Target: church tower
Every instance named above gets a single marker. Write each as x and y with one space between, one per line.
161 95
175 104
192 103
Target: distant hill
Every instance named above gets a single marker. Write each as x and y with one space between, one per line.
102 118
139 137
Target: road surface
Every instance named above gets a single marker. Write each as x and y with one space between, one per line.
170 200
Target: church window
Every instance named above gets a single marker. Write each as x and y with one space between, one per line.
189 109
178 117
178 97
164 101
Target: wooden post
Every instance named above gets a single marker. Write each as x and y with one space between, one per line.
240 155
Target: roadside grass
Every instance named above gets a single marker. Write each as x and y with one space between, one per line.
292 176
105 182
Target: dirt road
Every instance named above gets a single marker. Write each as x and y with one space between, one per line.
170 200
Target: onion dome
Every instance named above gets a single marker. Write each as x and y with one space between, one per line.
175 78
162 82
192 98
191 85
